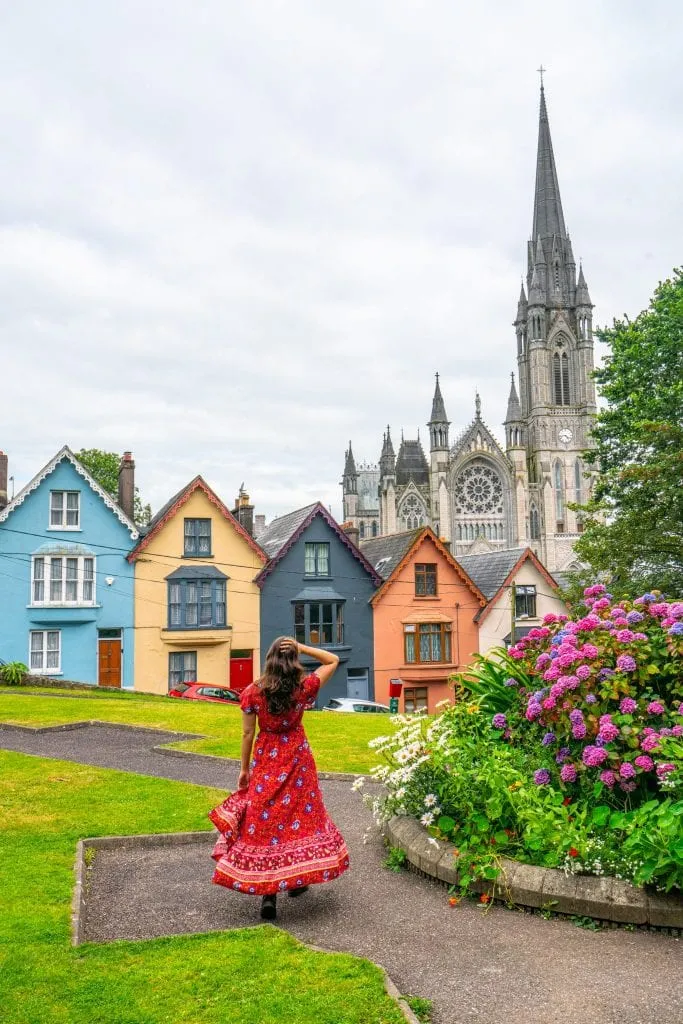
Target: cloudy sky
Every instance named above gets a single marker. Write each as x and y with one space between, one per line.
235 235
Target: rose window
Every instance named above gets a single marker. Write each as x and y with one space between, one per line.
478 489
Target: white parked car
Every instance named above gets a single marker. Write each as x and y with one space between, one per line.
351 704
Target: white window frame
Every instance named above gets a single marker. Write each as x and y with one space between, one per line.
43 670
64 511
48 571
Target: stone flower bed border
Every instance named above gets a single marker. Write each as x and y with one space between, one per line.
602 898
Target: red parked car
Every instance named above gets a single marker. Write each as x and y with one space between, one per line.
203 691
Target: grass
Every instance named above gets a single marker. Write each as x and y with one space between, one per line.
252 975
339 741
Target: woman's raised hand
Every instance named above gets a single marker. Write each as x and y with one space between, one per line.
288 644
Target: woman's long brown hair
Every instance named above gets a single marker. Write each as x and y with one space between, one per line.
282 675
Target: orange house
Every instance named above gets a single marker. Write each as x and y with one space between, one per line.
424 617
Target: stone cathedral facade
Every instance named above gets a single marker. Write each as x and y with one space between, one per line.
476 494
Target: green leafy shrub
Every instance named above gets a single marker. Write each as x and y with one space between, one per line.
13 673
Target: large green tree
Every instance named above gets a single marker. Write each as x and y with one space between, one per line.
634 522
104 466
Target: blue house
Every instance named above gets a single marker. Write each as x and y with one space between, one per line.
317 587
66 588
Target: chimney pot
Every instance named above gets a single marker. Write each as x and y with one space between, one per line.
127 484
3 479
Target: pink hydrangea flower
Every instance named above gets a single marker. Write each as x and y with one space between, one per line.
583 672
592 757
625 636
548 704
608 778
665 769
568 773
645 762
677 731
628 706
579 731
590 651
655 708
626 770
625 663
650 742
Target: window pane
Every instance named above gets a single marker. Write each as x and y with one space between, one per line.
72 506
52 660
190 537
189 666
36 642
340 624
55 579
447 645
425 646
38 579
204 529
314 620
56 505
88 578
410 647
205 604
323 568
71 592
300 623
220 603
309 559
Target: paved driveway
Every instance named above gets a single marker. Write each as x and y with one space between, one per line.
495 967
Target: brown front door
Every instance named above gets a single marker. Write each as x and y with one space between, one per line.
109 673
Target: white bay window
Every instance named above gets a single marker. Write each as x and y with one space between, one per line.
63 579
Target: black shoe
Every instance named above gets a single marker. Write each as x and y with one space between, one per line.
269 908
298 892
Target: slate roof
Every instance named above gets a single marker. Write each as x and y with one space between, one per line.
411 464
197 572
387 552
490 570
277 533
283 533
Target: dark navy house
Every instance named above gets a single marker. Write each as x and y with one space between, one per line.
317 587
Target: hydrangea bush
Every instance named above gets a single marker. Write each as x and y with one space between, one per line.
581 764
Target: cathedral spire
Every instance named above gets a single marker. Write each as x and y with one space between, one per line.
350 464
548 216
438 407
582 295
387 460
514 412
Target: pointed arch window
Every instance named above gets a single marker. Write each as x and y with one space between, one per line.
374 528
558 475
361 530
561 378
578 480
534 523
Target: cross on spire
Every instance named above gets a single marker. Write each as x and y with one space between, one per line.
541 72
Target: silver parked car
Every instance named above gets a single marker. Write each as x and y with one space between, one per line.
352 704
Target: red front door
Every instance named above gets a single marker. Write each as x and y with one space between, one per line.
241 670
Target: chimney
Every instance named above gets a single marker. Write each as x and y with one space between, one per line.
352 533
3 479
127 485
259 525
244 511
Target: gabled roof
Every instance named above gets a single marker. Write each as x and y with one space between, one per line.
283 533
425 535
496 571
278 532
386 552
63 454
172 507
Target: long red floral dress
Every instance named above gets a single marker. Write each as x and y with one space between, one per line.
277 835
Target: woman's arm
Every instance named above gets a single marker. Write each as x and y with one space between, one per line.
248 731
328 660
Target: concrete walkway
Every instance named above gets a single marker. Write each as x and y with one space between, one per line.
485 967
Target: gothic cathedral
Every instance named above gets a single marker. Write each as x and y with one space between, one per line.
473 493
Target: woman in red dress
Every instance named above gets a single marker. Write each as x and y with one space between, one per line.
276 835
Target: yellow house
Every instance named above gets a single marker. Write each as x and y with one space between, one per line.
196 604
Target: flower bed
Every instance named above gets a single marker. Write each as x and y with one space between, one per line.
574 760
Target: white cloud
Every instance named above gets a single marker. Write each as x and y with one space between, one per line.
234 236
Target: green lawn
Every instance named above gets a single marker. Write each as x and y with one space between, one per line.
339 741
253 976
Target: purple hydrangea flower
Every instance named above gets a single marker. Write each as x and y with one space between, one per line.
625 663
533 710
625 636
592 757
605 673
562 754
583 672
655 708
626 770
628 706
676 629
568 773
579 731
591 698
542 777
549 738
633 618
499 721
608 732
510 682
627 786
677 731
576 716
608 778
